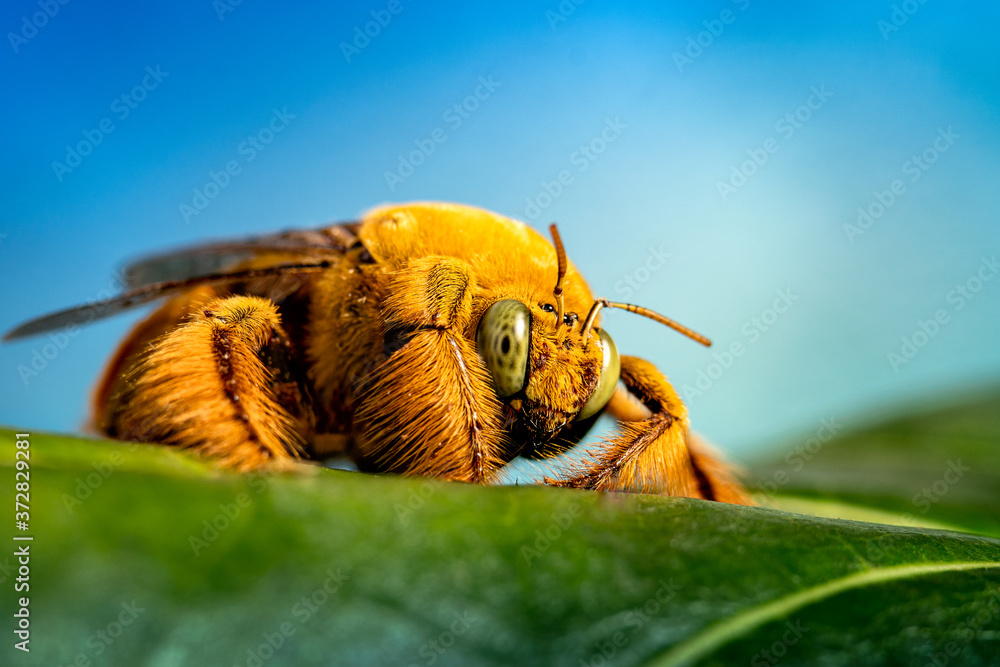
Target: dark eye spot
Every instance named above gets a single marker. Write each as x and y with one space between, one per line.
548 308
505 345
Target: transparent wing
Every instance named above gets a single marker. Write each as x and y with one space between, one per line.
150 278
87 313
212 258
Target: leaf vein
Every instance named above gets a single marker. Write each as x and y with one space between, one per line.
717 635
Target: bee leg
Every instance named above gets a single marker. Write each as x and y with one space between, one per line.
161 321
210 385
430 409
654 451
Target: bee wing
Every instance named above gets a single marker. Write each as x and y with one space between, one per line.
87 313
153 277
212 258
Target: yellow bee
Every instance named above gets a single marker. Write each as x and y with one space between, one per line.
427 339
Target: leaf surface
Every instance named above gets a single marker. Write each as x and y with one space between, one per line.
143 556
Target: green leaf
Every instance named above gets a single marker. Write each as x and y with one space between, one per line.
937 466
142 556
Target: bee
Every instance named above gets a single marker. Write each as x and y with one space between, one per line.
427 339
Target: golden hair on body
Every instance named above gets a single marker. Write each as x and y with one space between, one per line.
427 339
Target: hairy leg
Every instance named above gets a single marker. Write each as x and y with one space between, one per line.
654 451
164 319
214 384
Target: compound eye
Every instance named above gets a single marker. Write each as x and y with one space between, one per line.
503 338
610 371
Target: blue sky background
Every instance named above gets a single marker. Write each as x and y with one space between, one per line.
687 125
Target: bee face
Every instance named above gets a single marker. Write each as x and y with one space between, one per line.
548 375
